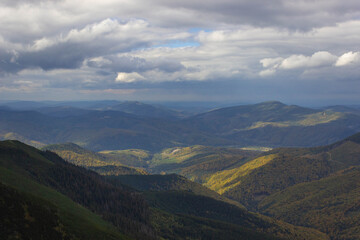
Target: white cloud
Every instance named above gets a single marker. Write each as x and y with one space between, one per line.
348 58
128 77
267 72
316 60
271 62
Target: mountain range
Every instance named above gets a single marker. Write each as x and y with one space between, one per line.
268 124
262 171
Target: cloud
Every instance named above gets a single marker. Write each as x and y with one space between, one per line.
316 60
109 44
69 51
271 62
128 77
348 58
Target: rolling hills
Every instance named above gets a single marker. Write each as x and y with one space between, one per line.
72 199
268 124
195 162
276 124
102 130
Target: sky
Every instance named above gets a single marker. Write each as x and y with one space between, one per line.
295 51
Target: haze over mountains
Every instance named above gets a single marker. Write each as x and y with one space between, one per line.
137 125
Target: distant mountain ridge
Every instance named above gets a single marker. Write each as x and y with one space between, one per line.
146 110
268 124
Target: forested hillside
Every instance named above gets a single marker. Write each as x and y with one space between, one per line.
73 198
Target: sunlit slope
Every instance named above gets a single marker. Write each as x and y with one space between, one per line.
228 179
331 204
282 168
315 187
198 162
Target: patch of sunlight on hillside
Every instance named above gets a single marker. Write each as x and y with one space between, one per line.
307 120
257 148
177 155
227 179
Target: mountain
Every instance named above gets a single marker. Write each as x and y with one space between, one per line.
330 204
137 158
102 130
91 160
280 168
25 105
40 190
146 110
194 162
62 186
198 162
62 111
170 182
46 214
275 124
269 124
306 186
177 195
